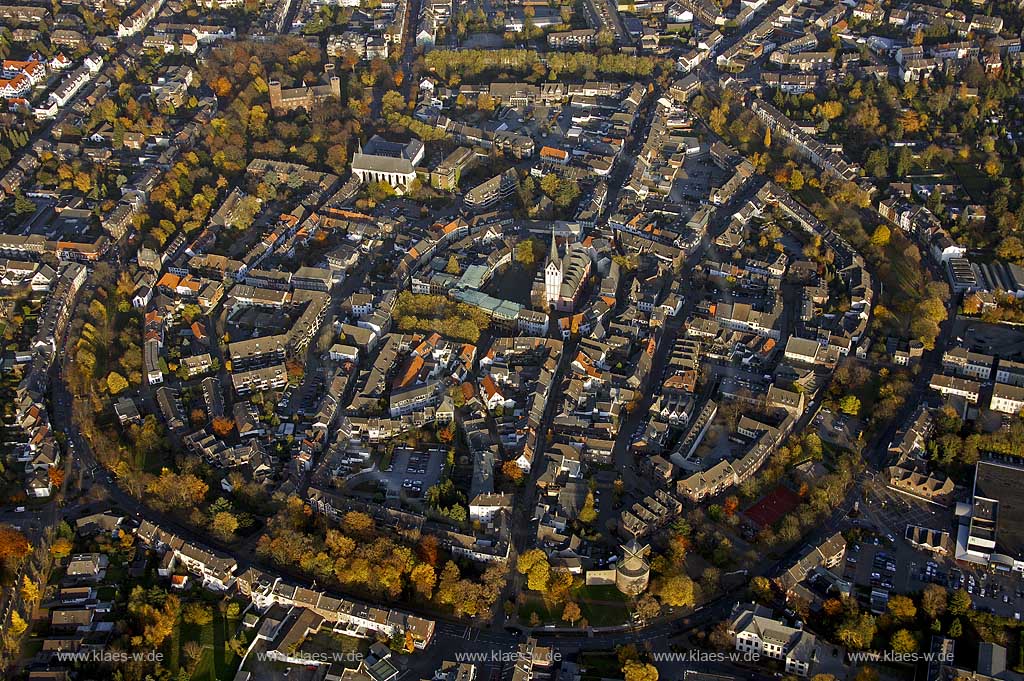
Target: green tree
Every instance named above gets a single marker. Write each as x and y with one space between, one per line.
796 180
190 312
956 630
959 603
849 404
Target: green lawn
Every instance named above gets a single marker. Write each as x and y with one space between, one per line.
603 592
904 278
217 661
975 183
810 196
536 604
605 614
601 606
601 665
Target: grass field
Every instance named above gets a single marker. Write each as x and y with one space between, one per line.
217 660
975 183
602 606
600 665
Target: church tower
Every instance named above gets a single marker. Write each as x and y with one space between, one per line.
553 273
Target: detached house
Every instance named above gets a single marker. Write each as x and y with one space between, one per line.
758 633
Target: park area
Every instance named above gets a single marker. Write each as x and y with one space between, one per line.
600 606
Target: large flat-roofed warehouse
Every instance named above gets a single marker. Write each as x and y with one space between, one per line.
991 528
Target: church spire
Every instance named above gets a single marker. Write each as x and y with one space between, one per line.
553 253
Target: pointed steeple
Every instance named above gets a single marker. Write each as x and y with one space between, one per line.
553 253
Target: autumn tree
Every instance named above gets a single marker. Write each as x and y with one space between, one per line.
676 591
154 614
56 476
116 383
357 523
446 433
857 631
193 650
13 546
29 590
647 607
880 237
447 590
796 180
634 670
511 470
956 629
933 600
761 587
588 513
571 613
559 582
424 579
18 626
222 426
903 642
720 638
173 491
223 525
534 564
730 506
61 548
197 614
849 404
1010 248
902 608
427 549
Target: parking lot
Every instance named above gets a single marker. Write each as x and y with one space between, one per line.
892 510
412 472
838 429
883 556
1000 593
879 565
